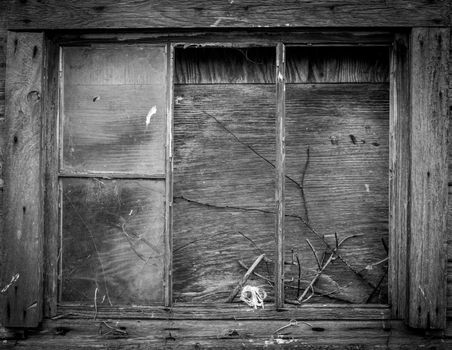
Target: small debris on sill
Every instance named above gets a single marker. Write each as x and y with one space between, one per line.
253 296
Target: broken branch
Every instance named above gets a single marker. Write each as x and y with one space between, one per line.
244 279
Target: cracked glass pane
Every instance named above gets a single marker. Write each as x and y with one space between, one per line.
113 243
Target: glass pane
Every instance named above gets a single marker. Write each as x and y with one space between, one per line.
113 243
114 109
337 151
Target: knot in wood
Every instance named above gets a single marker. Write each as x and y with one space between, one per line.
33 96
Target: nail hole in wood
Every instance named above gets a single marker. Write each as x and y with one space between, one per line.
15 139
24 209
35 51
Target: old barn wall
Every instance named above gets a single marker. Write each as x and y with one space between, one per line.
346 327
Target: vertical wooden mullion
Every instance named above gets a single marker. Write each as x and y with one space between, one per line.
428 188
280 173
399 174
169 176
51 200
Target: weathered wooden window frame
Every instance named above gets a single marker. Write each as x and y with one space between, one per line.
417 150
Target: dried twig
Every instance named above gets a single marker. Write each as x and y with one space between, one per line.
295 323
299 276
112 329
95 302
333 256
303 175
272 283
322 238
242 264
315 254
14 279
377 287
371 266
244 279
316 277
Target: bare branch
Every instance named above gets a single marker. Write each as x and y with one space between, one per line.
315 254
244 278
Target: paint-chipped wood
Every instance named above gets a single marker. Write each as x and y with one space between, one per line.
428 206
399 174
114 109
83 14
22 235
224 188
337 182
112 241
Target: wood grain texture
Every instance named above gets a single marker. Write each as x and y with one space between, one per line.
280 184
304 65
428 212
51 195
358 335
114 107
83 14
337 150
112 241
449 216
223 191
399 174
337 65
21 304
225 65
238 38
236 311
169 155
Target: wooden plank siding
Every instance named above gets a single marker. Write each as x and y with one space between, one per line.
22 234
83 14
428 193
